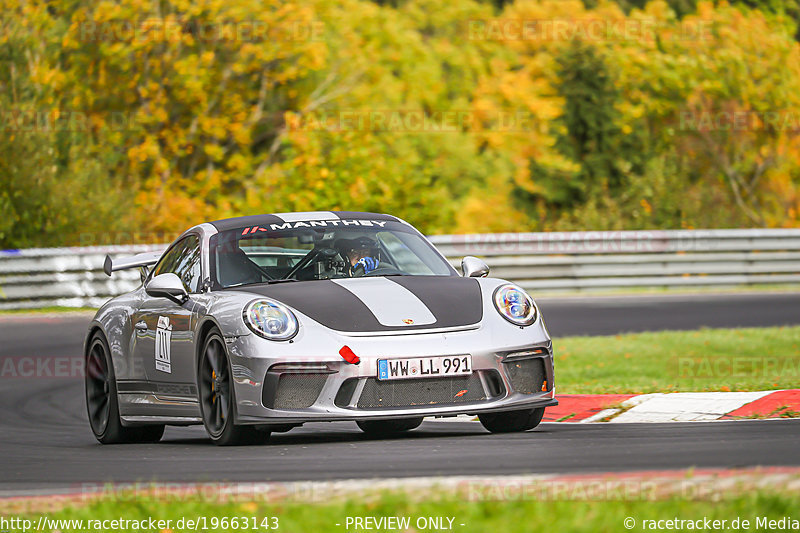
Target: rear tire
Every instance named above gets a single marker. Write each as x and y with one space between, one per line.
102 404
386 428
512 421
217 400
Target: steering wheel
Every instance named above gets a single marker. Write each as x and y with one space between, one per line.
327 253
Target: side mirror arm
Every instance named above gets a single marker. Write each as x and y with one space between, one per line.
472 267
180 300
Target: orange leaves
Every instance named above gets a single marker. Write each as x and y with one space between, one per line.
230 100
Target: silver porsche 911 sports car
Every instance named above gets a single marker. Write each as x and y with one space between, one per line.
258 324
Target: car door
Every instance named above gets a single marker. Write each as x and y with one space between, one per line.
164 344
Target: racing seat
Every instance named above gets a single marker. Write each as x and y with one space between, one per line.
235 268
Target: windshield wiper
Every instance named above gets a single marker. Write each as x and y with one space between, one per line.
279 280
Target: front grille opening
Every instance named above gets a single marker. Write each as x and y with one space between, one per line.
494 384
345 394
530 352
296 368
421 392
526 375
295 391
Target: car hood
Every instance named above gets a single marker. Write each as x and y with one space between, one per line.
379 304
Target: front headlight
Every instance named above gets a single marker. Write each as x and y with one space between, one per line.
515 305
271 320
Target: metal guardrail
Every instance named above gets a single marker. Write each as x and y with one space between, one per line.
68 277
563 261
585 261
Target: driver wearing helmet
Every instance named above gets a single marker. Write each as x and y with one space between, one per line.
361 254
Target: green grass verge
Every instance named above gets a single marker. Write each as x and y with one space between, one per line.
704 360
479 516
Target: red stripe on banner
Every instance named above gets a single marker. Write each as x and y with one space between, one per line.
577 407
773 405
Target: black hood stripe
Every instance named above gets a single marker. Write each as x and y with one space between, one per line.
451 299
454 301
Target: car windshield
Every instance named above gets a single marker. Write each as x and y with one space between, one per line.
314 250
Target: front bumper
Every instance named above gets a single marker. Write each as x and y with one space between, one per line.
295 387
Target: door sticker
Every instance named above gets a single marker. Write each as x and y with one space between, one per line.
163 338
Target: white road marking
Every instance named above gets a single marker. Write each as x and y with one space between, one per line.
597 417
685 406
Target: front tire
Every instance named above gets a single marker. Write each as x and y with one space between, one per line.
388 428
217 400
102 404
512 421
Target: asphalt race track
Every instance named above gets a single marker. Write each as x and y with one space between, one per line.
46 443
612 315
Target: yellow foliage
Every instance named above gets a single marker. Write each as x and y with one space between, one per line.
238 107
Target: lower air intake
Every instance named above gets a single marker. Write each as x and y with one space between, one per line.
421 392
526 375
298 391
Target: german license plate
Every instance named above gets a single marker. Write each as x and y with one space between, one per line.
425 367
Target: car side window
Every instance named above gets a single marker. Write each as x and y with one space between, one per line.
183 260
187 266
167 262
